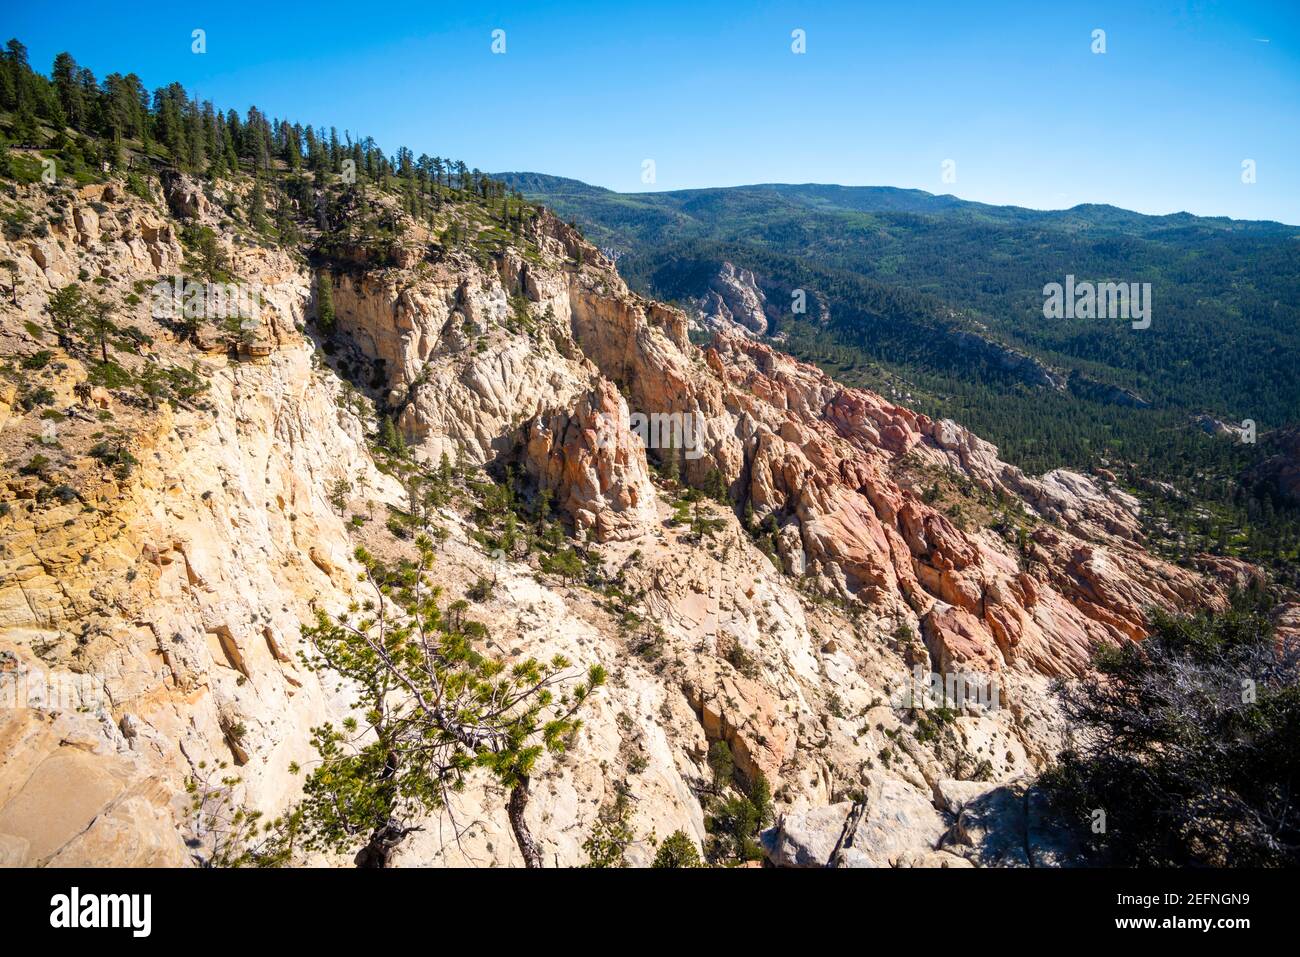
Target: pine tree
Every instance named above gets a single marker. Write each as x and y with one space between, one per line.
257 205
69 90
611 835
325 317
390 437
435 708
68 307
339 491
677 850
101 326
722 765
11 267
566 563
1203 772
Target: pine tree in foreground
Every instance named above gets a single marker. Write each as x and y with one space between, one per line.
432 711
221 833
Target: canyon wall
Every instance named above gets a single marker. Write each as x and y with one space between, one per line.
150 617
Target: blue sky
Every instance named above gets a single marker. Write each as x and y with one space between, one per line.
885 93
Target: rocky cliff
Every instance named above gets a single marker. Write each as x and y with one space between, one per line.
170 516
734 301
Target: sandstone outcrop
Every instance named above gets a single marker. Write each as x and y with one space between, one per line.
892 825
597 469
167 551
734 300
819 461
964 824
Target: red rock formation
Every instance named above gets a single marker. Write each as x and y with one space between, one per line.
818 459
597 467
822 466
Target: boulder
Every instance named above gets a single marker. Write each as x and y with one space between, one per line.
1006 826
893 825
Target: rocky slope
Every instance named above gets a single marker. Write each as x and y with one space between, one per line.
734 300
159 549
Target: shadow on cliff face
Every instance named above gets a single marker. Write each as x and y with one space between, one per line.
1008 826
964 824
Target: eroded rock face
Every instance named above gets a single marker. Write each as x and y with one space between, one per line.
1006 826
150 617
820 461
184 196
824 465
892 825
1286 623
597 469
181 592
735 300
464 382
180 588
962 824
75 795
1025 367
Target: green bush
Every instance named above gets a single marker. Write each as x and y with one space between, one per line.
117 456
34 398
137 186
1186 742
677 850
37 360
110 375
735 821
20 167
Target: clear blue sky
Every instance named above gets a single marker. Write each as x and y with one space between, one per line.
1011 92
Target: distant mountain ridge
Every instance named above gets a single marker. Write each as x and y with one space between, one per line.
899 199
1226 318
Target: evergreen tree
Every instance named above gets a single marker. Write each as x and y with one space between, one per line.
1187 740
68 87
222 833
68 307
721 764
611 835
101 325
677 850
325 317
734 822
11 267
257 205
339 491
435 709
566 563
390 437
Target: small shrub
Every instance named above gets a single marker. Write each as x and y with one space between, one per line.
33 398
37 360
677 850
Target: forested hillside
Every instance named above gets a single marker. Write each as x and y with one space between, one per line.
1224 334
904 286
72 126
